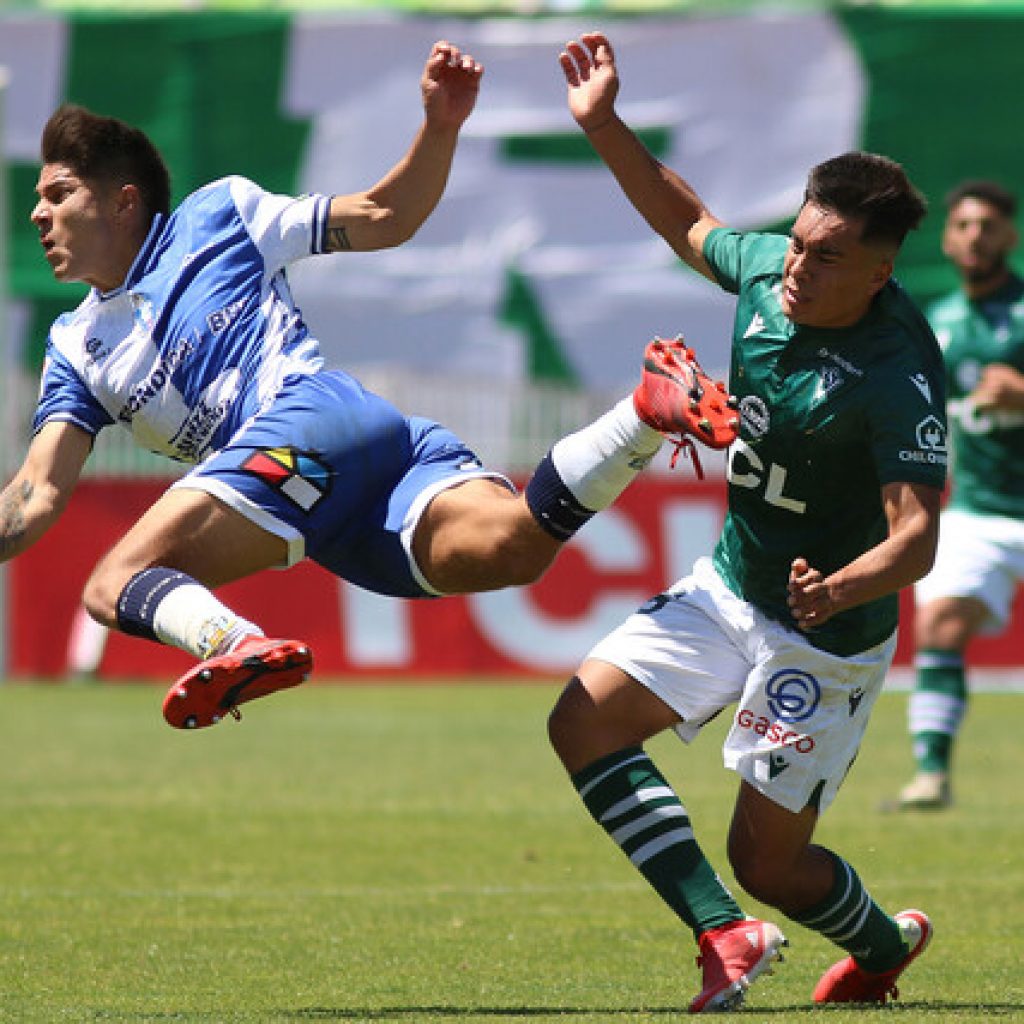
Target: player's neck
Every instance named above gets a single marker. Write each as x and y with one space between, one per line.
983 288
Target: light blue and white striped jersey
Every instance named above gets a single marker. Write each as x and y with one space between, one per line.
203 331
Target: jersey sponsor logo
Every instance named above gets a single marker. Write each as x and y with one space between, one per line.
756 326
194 434
921 383
793 695
744 468
754 416
157 380
841 361
221 318
931 434
931 443
774 732
299 476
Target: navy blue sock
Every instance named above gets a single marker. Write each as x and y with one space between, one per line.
138 601
553 504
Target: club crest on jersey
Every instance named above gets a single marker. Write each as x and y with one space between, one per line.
754 416
299 476
829 378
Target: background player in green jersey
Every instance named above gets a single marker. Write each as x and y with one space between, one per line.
980 559
834 493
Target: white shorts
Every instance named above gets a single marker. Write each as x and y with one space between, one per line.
981 557
801 712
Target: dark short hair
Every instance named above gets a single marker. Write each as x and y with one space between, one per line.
872 188
106 150
987 191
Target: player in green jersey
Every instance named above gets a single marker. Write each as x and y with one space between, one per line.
980 560
835 485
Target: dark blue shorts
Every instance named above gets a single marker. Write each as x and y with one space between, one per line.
342 476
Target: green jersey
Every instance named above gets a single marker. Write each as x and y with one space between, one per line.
987 446
828 416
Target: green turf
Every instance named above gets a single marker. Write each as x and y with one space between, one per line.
415 854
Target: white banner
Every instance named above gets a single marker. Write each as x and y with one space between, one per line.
744 107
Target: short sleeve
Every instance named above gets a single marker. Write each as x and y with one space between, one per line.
907 425
738 256
64 397
283 228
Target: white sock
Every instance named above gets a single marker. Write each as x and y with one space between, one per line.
600 461
190 617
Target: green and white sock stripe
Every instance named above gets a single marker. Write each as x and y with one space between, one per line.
935 712
851 919
643 822
630 799
939 700
845 912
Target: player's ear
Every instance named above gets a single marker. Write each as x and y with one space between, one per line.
128 202
882 272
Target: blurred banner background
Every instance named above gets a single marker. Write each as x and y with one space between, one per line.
523 305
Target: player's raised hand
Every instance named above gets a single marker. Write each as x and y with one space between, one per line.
450 84
588 64
810 599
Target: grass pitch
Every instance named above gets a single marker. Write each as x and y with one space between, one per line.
415 854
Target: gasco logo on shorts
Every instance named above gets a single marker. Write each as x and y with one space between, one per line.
774 732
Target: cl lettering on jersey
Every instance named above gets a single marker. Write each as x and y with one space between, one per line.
774 486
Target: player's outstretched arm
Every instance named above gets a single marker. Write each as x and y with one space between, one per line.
671 207
392 211
907 553
33 501
1000 387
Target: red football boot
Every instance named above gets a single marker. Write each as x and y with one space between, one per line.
678 398
214 688
847 982
732 957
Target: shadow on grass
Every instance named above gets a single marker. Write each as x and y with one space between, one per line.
938 1010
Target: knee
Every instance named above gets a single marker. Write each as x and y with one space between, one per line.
101 593
561 726
946 623
574 728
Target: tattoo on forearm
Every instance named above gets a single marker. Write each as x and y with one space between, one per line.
337 240
12 517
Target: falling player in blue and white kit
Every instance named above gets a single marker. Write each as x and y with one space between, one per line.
189 339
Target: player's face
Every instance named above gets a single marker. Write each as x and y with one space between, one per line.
978 239
78 228
829 276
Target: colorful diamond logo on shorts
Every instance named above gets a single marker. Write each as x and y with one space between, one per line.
299 476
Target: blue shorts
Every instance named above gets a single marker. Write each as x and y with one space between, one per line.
342 476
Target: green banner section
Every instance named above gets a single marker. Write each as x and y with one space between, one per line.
944 98
520 8
205 89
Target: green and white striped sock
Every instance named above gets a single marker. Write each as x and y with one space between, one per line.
937 707
630 799
855 922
